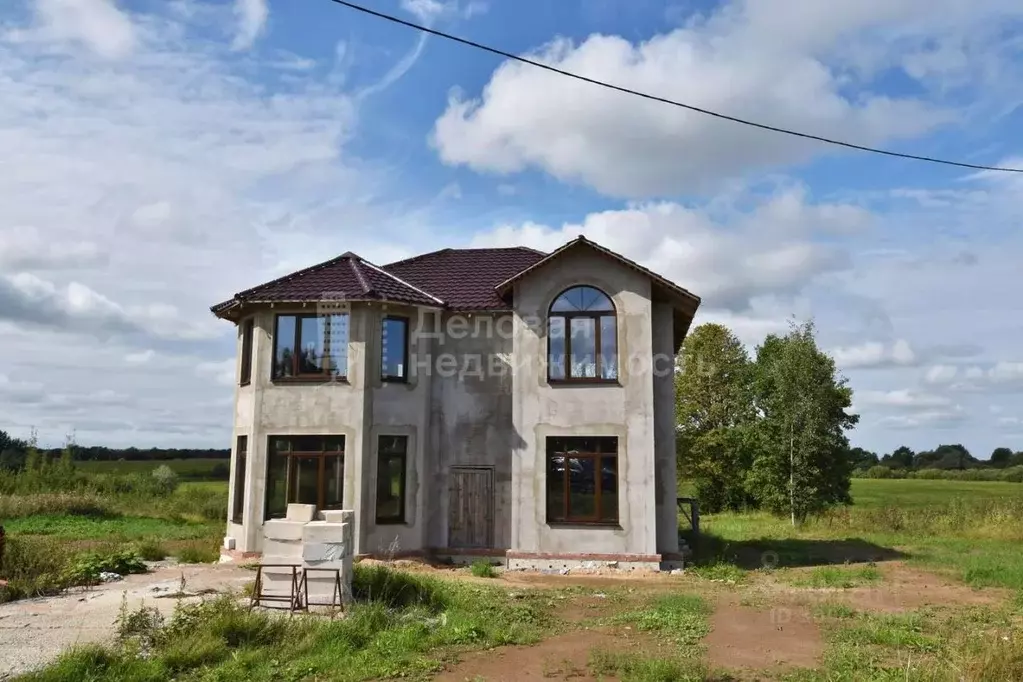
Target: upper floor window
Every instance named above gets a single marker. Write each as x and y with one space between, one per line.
394 349
311 346
246 369
582 337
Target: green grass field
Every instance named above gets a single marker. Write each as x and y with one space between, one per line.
970 530
868 492
189 469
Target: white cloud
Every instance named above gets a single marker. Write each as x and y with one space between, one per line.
429 12
874 354
141 357
731 62
931 419
252 16
97 24
154 187
902 398
995 376
822 78
727 256
223 371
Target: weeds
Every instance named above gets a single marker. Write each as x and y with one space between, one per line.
198 553
841 577
388 635
482 569
629 667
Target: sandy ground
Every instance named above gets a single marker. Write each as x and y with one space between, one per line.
34 631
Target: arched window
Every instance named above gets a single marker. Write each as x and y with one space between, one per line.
582 337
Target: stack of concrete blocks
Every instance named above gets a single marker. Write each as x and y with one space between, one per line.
310 540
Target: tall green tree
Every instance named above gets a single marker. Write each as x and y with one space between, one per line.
901 458
713 411
1001 457
801 465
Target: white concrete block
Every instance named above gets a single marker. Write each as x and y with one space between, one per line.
321 531
323 551
280 529
285 548
334 515
228 542
301 512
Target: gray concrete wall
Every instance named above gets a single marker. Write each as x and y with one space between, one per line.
625 410
664 428
471 418
333 408
398 409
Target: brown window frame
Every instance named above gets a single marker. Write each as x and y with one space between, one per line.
385 455
403 377
241 453
607 448
296 376
291 456
568 316
248 329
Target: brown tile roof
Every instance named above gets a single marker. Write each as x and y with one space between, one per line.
466 279
346 277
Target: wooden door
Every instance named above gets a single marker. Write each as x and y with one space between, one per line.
471 507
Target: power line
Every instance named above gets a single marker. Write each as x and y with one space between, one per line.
664 100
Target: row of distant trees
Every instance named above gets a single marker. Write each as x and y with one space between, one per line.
13 452
947 457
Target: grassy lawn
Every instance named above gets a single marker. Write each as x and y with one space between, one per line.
971 530
68 527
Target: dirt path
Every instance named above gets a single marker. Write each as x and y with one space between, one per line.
34 631
902 588
752 639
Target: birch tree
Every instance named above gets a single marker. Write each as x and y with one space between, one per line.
801 465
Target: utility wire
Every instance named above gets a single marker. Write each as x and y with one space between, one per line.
664 100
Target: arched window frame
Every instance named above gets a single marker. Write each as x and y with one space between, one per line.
604 321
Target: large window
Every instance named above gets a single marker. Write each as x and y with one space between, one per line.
394 349
582 337
311 347
246 369
391 457
238 494
305 470
582 480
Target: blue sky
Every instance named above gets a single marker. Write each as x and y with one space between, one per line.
168 154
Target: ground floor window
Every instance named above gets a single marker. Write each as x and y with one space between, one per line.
304 470
392 454
238 495
582 479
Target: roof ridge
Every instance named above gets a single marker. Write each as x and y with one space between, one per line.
363 282
454 249
403 282
411 259
297 273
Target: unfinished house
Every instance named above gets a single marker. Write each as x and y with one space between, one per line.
498 402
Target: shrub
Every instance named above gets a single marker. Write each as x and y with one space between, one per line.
481 568
166 479
151 550
141 626
879 471
76 504
86 568
198 553
33 567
